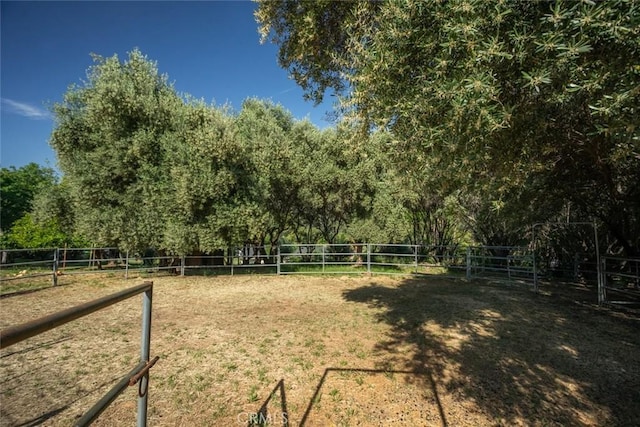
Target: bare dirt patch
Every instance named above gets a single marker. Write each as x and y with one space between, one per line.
319 351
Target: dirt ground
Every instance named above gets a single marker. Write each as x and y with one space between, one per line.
318 351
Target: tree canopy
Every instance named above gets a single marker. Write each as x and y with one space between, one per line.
527 105
462 120
146 167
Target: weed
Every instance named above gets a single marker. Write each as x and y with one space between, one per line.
262 375
171 381
253 394
317 400
230 366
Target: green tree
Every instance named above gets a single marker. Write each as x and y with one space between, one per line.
486 97
265 129
56 203
28 233
337 182
54 207
18 187
111 139
208 177
383 219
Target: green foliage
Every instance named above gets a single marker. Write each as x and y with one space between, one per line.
208 179
55 203
146 168
487 97
274 186
18 187
111 142
27 233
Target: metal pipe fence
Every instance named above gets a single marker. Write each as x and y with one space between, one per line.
511 263
487 261
619 281
17 333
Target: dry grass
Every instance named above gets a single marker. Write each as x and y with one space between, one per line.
328 351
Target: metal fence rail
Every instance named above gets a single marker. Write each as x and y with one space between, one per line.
487 261
17 333
354 258
619 281
318 258
504 262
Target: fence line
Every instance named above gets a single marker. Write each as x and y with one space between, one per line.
512 263
17 333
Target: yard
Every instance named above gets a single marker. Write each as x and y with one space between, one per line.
320 351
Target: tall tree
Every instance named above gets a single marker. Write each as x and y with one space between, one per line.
265 129
111 138
337 183
487 96
208 177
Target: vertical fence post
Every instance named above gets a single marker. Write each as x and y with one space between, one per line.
182 264
126 266
468 262
54 278
600 270
323 258
233 251
145 343
535 272
415 250
278 260
369 258
602 281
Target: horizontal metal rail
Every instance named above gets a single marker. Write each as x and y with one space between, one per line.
139 374
14 334
26 276
28 250
17 264
95 411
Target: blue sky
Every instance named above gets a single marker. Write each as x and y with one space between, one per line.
209 49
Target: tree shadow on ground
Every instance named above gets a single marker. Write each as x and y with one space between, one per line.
514 356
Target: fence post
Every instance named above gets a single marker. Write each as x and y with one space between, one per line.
535 271
369 258
54 278
468 262
600 272
278 260
323 258
602 280
182 264
126 266
145 343
415 249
